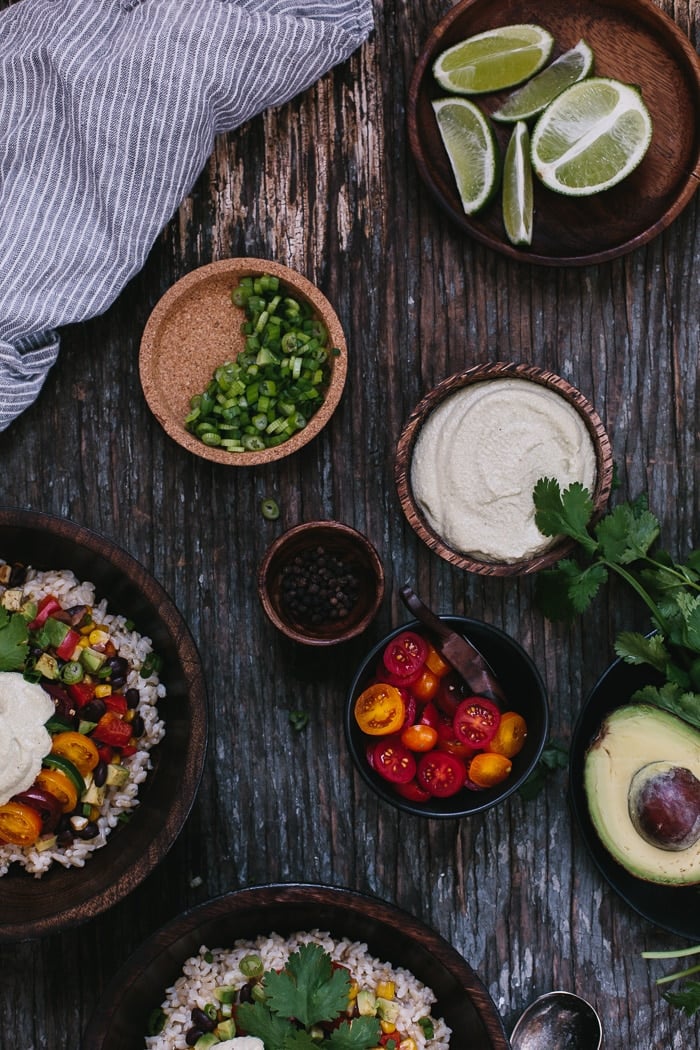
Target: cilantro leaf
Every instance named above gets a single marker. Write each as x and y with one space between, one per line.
299 1039
635 648
567 512
672 698
362 1033
568 590
308 988
257 1019
13 641
687 999
627 532
554 756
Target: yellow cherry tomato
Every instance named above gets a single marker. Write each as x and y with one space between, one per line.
436 663
78 748
426 686
419 737
380 709
487 769
60 786
19 824
510 735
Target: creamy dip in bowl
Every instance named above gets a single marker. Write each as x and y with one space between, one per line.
472 452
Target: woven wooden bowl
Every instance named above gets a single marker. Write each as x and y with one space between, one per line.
195 328
337 539
478 374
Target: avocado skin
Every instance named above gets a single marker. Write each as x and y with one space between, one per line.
629 738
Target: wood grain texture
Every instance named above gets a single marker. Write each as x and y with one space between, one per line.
328 186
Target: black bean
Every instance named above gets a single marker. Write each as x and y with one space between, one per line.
99 773
93 711
192 1035
132 698
202 1020
138 726
90 831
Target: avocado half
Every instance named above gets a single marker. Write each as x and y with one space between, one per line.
630 740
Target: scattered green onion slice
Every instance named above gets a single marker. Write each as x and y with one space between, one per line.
270 509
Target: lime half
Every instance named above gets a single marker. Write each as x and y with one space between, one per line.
532 97
472 150
590 137
517 186
496 59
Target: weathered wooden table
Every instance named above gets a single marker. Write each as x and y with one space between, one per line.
326 185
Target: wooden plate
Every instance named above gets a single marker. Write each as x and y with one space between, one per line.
390 934
195 328
633 41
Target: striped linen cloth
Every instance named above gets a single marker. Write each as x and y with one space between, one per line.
108 112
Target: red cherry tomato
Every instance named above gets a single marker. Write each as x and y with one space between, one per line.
425 686
448 741
412 791
430 716
441 774
405 656
393 761
476 721
452 691
411 707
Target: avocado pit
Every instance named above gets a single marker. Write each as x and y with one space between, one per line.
664 805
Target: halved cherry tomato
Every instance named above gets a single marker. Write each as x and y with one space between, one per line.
476 721
405 655
425 686
510 735
412 791
436 663
487 769
449 743
430 716
19 824
113 730
419 737
47 806
452 691
60 786
441 774
393 761
411 705
78 748
379 709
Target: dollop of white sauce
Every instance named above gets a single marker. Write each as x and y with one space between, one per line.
478 456
242 1042
24 740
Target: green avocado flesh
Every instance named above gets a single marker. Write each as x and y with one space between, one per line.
638 738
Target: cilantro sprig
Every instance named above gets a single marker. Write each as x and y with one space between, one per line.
623 542
308 992
688 996
13 640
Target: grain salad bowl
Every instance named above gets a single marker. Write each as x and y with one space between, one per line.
63 897
494 462
521 690
391 935
195 328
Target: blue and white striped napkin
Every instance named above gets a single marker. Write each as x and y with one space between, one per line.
108 112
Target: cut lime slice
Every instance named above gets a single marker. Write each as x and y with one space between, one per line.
496 59
472 150
532 97
517 186
590 137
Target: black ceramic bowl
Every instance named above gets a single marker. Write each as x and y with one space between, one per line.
672 908
31 907
119 1023
519 678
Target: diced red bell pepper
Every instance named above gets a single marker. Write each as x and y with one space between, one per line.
129 750
46 607
106 753
67 647
82 692
112 730
116 702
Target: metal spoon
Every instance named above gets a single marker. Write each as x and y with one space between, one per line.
558 1021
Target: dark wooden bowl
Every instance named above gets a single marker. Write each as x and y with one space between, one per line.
392 935
520 680
632 41
477 374
338 539
31 907
195 328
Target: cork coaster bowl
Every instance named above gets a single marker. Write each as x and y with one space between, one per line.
195 328
352 553
496 371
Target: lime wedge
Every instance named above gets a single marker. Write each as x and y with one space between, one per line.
472 150
496 59
517 186
532 97
590 137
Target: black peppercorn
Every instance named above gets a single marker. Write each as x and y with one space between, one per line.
319 587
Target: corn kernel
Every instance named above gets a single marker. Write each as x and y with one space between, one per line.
386 989
94 812
408 1044
83 643
354 989
98 636
387 1027
103 690
129 715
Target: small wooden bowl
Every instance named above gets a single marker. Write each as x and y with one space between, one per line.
337 539
66 897
391 935
478 374
195 328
